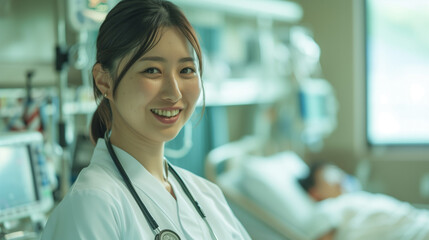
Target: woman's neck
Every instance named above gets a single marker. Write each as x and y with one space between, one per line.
148 153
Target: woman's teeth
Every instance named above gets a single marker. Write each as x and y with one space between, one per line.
166 113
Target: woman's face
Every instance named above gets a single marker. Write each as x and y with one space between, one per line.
159 92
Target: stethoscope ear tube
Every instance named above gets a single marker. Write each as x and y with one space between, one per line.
187 192
127 181
194 202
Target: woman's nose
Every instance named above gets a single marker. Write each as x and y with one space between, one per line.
171 89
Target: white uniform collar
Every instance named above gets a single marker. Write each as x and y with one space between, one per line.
147 184
139 176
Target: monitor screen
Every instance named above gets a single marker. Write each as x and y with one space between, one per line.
24 186
17 181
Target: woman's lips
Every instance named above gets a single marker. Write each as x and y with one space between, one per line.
166 116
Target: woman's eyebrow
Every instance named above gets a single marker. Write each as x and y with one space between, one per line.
161 59
156 59
187 59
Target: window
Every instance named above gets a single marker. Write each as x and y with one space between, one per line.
397 58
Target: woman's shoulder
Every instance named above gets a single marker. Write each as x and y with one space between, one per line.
82 208
97 181
95 193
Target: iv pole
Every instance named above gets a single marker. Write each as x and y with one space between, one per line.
61 66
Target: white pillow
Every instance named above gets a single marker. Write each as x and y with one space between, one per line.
272 183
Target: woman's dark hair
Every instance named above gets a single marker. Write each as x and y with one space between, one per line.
133 26
309 181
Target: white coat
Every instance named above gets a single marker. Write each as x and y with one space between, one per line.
99 206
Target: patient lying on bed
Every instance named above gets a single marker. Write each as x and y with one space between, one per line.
359 214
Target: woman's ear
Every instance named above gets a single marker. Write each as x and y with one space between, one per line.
103 80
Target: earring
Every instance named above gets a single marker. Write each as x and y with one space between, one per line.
105 95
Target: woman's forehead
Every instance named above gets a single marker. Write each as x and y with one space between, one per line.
165 40
170 40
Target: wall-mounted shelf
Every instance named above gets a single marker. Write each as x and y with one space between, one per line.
86 106
231 92
13 75
243 92
273 9
70 108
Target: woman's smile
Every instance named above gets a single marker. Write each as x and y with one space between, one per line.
167 115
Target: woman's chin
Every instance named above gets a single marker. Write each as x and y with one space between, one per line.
169 135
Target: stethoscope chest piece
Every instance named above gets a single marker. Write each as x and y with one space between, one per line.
167 235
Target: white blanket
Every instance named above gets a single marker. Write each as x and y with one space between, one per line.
368 216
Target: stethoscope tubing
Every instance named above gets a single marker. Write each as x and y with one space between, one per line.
153 224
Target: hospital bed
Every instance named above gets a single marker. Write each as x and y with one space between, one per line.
226 166
265 196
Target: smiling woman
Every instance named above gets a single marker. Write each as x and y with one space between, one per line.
147 80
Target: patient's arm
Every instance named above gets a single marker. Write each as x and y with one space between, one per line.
328 236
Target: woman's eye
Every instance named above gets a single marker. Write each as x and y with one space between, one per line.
187 70
152 70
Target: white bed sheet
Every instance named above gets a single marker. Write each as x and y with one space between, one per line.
369 216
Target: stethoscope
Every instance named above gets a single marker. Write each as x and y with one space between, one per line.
165 234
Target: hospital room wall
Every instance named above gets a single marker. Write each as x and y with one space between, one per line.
27 38
331 23
338 27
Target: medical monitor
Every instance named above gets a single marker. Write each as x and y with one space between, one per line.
24 184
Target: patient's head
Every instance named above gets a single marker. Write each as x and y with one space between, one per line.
324 181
